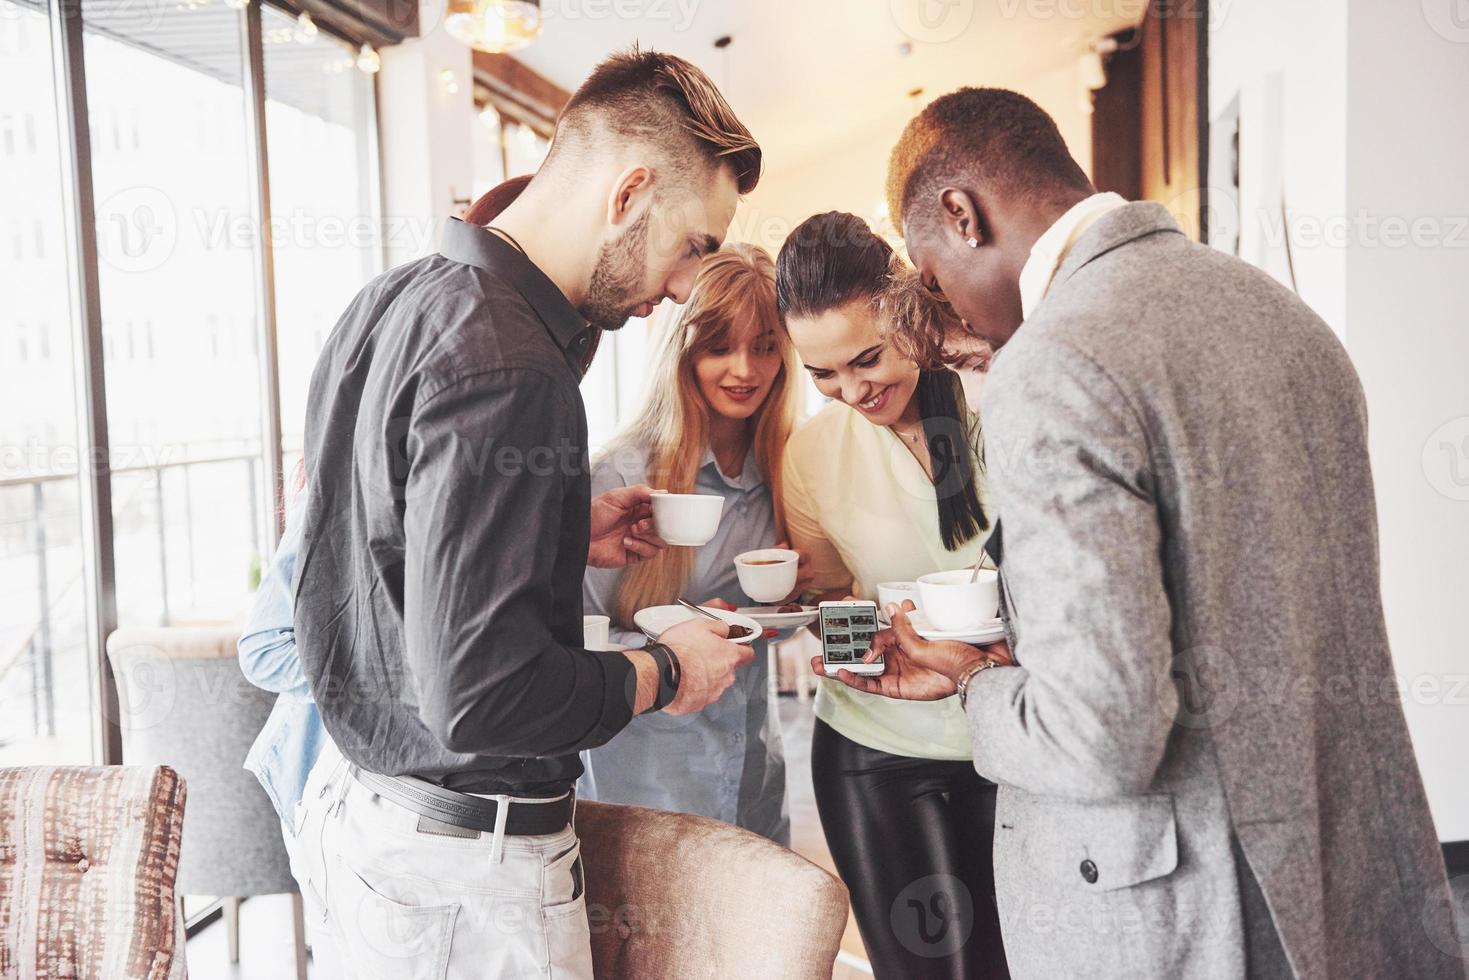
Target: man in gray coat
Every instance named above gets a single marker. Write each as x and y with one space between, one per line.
1203 763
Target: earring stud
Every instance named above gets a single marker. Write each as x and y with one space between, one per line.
972 242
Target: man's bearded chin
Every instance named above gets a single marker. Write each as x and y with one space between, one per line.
617 280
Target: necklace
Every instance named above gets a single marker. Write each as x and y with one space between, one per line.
914 437
507 236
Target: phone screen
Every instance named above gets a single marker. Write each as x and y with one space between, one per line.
847 630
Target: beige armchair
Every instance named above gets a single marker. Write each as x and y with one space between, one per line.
87 862
670 895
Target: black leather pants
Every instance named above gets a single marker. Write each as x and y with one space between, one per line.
912 840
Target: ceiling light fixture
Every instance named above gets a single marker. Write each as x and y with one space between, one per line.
496 26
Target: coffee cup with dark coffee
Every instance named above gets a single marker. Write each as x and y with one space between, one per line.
768 574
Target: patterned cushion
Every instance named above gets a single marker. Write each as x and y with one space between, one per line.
87 864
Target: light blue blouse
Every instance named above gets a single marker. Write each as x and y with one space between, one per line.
293 736
725 762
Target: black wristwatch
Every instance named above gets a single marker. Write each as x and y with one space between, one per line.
670 673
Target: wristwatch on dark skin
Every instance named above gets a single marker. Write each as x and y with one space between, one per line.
963 683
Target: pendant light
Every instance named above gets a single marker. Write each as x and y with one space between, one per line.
496 26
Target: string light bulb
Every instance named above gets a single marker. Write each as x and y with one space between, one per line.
305 28
450 81
369 62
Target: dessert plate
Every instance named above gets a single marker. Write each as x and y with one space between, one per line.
772 619
656 619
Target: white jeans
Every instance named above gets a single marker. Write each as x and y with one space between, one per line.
387 902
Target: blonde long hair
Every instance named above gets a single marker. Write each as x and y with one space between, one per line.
734 288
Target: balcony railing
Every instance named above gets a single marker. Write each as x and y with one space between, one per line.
33 644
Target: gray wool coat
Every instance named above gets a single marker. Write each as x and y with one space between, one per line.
1204 707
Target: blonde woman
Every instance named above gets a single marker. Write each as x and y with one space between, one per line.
720 407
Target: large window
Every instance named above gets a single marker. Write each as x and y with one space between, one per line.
46 660
180 316
323 197
169 119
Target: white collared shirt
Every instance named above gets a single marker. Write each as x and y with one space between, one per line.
1050 249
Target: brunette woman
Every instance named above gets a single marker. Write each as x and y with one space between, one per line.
885 484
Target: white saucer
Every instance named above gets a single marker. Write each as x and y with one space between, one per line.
768 617
655 619
988 631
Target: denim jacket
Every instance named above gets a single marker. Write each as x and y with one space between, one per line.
289 744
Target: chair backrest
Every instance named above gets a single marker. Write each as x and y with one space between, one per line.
87 863
185 704
672 895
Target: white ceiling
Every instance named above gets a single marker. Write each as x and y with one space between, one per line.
809 75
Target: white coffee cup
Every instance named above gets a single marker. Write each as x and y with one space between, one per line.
767 582
896 592
952 602
595 631
686 519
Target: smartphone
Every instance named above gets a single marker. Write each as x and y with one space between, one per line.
847 629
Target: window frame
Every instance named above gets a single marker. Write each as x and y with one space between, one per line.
73 122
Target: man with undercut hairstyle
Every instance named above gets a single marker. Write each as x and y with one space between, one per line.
448 526
1200 775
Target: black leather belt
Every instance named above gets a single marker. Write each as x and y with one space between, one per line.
527 817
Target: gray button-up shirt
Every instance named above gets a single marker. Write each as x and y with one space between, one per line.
438 591
725 761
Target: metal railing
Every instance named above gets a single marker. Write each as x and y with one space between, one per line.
35 646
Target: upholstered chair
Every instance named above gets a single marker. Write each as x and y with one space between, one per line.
88 857
672 895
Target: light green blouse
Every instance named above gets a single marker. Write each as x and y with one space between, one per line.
862 507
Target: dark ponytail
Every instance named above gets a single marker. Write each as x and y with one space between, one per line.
953 452
834 259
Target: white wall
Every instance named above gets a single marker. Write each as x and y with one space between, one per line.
1407 302
426 134
1304 43
1372 142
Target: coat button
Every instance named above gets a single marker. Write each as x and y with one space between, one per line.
1089 871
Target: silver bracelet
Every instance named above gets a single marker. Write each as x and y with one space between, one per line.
968 675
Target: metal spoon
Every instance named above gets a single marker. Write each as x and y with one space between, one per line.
701 611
